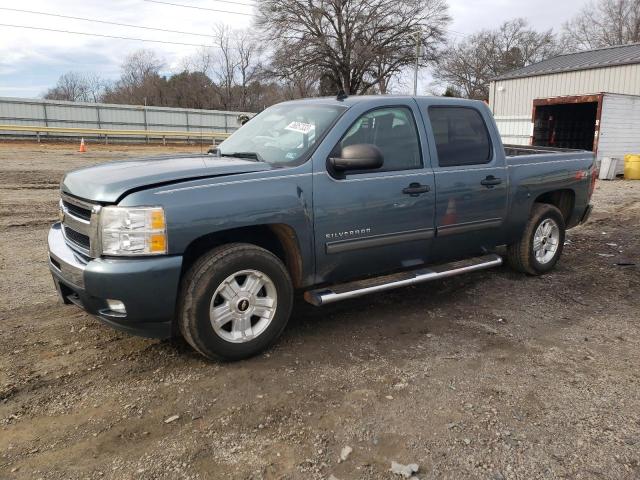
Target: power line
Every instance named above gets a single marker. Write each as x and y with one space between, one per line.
107 36
454 32
117 37
199 8
129 25
251 4
104 21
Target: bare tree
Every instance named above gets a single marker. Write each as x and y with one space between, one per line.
140 65
356 43
469 65
140 80
233 63
201 61
76 87
604 23
248 53
465 68
229 77
95 87
295 83
225 63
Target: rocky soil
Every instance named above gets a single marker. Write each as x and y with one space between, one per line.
493 375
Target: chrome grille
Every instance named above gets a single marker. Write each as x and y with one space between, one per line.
78 239
79 222
77 211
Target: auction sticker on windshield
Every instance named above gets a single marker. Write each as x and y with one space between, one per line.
300 127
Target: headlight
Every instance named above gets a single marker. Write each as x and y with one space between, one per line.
133 231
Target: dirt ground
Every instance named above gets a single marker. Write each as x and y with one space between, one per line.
493 375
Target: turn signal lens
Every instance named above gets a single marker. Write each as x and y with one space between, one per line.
158 243
157 220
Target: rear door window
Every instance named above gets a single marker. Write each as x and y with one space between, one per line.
461 136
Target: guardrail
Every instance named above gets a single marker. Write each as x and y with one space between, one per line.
106 133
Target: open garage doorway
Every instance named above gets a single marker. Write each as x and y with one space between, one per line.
567 122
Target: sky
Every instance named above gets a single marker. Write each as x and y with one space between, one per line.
32 60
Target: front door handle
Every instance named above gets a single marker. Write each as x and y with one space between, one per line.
415 189
491 181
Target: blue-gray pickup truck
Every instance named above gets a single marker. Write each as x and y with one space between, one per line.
333 197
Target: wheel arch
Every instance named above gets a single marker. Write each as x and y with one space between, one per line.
563 199
278 238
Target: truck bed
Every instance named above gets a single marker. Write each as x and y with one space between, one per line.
518 150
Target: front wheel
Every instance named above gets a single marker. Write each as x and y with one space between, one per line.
540 246
236 300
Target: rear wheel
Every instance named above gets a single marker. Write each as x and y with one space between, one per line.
541 243
236 300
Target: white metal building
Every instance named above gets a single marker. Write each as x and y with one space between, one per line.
588 100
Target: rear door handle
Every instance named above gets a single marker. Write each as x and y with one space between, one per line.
415 189
491 181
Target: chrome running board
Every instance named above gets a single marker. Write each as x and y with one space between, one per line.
335 293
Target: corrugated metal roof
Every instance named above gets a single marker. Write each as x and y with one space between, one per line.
602 57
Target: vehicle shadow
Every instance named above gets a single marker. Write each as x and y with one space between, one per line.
395 320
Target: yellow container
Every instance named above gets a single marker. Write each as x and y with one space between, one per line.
632 167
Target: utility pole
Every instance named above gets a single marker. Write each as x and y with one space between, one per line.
144 111
415 73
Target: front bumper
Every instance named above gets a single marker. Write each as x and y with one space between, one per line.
148 287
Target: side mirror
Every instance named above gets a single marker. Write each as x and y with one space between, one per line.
362 156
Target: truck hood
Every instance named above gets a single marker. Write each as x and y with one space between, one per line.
108 182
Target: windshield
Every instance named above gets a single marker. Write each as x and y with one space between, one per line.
282 134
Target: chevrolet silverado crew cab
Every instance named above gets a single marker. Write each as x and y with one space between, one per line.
336 197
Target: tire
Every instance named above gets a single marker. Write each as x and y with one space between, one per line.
521 255
224 320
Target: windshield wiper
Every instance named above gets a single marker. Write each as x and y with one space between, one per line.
249 155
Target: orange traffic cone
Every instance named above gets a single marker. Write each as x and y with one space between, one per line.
82 146
450 216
